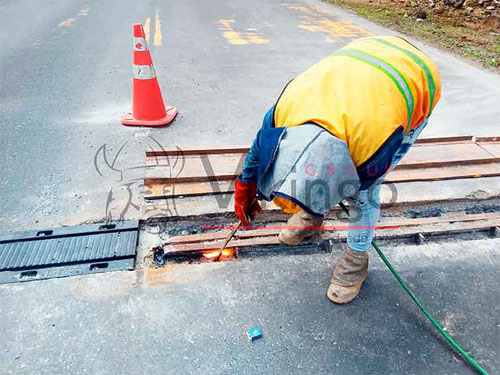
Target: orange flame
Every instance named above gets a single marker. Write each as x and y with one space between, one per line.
226 253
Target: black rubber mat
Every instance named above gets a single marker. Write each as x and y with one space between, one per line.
68 251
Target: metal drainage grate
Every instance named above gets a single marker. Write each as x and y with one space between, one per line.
68 251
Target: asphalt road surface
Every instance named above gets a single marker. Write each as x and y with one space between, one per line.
192 318
67 78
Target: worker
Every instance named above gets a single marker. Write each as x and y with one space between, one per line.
335 131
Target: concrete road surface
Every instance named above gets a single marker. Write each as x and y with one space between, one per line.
67 77
192 318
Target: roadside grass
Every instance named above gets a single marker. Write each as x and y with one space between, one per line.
478 45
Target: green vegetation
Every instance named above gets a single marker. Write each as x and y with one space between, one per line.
478 45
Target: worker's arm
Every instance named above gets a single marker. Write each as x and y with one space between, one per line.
262 149
258 160
246 206
250 170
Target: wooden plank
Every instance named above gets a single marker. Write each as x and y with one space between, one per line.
448 229
209 150
453 228
186 151
448 172
161 190
451 217
460 138
329 226
194 168
434 155
406 195
221 167
189 151
215 245
487 139
492 147
215 236
163 161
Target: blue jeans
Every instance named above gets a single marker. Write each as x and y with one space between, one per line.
364 209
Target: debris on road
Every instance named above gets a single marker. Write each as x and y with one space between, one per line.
254 334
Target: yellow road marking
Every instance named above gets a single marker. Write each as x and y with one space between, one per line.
315 20
237 38
234 37
157 39
231 36
333 30
67 22
256 38
225 24
147 24
299 7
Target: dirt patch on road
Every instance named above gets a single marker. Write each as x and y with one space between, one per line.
469 28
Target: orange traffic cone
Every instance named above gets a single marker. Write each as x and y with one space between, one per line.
148 108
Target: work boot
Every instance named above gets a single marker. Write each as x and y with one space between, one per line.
348 276
302 225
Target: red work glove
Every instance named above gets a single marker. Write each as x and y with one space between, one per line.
245 202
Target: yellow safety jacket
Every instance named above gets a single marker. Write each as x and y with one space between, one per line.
363 93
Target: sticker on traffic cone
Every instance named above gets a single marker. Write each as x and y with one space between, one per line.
148 108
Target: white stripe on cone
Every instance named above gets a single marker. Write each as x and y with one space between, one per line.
144 71
140 44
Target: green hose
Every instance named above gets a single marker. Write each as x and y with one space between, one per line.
422 307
